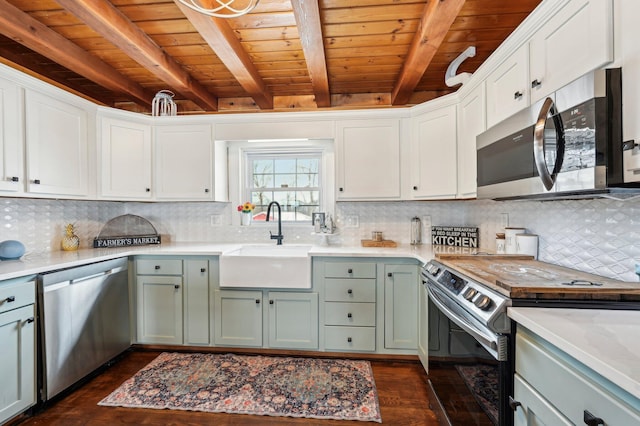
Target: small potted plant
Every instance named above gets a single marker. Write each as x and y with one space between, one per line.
246 210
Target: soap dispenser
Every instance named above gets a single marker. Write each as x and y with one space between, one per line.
416 231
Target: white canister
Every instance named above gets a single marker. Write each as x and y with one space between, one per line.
500 245
527 244
510 239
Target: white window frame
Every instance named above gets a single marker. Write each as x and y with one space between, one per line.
238 171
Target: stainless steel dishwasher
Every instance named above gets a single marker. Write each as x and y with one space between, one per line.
84 322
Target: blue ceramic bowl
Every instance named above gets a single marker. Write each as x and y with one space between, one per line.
11 249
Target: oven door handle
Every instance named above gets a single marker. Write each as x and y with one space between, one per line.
488 340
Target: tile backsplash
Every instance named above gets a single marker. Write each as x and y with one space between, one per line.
601 236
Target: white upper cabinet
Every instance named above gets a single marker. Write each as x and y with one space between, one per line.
507 91
11 139
575 40
184 162
471 122
433 154
368 159
56 143
125 159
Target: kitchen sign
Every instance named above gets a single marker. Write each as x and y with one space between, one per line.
459 236
110 242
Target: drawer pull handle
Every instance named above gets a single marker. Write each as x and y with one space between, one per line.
176 286
517 95
349 339
10 299
14 179
30 320
157 267
349 315
514 404
257 301
591 420
203 270
350 291
349 271
535 83
36 181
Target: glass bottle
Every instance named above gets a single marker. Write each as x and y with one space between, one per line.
416 231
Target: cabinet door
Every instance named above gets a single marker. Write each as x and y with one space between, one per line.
56 141
125 159
577 39
159 309
184 162
17 369
471 122
534 410
401 307
629 33
423 326
238 317
507 87
11 139
196 301
293 320
368 160
433 155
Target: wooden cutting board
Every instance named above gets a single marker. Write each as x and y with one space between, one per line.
374 243
525 278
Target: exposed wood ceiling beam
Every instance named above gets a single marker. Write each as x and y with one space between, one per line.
221 38
31 33
307 14
435 22
110 23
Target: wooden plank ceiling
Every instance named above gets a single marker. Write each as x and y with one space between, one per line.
285 55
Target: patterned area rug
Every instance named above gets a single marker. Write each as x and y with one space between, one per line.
275 386
482 381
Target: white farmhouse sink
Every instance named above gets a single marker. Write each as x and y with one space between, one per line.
266 266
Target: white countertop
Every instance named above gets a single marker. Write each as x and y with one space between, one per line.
603 340
33 264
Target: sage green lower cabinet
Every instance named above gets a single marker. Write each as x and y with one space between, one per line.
159 305
17 347
196 302
401 306
293 320
553 388
238 318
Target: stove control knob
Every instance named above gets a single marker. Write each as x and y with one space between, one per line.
469 293
483 302
433 269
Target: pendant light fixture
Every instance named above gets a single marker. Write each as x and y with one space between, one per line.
221 8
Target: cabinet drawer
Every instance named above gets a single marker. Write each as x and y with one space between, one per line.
348 290
350 338
534 406
159 267
356 314
569 385
349 270
15 295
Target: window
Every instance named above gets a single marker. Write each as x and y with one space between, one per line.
293 179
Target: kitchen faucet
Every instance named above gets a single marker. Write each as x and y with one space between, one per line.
278 237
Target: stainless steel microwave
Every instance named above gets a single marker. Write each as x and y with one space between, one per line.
568 145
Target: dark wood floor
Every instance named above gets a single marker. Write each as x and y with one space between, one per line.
402 391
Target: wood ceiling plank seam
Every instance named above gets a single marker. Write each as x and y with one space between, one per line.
112 24
436 21
35 35
373 13
307 15
222 40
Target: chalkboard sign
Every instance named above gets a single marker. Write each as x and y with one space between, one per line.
458 236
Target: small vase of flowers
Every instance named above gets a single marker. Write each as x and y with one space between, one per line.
246 210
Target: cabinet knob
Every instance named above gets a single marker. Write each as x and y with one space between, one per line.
349 315
349 339
36 181
10 299
535 83
176 286
517 95
30 320
157 267
271 302
341 189
349 291
349 271
591 420
14 179
415 188
390 274
514 404
206 190
147 190
257 301
203 270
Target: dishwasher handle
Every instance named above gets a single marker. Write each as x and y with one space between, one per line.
98 275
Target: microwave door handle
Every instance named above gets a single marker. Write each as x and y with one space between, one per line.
548 179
